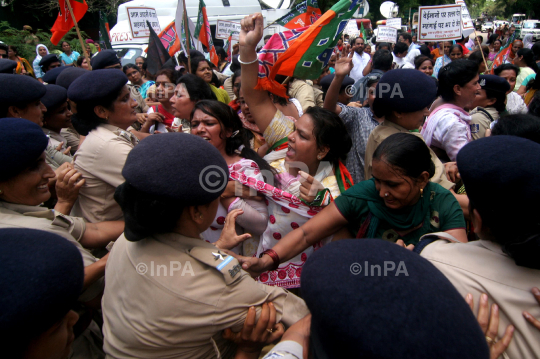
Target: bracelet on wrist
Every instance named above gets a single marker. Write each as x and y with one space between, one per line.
275 257
248 63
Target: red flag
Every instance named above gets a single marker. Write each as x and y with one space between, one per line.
64 21
202 32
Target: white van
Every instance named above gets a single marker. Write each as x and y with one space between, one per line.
129 48
531 27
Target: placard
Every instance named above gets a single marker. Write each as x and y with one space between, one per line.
224 29
137 21
395 23
352 28
386 34
441 22
467 25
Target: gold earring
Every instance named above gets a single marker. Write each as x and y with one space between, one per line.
421 192
1 192
319 158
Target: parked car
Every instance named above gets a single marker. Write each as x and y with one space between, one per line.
531 27
486 26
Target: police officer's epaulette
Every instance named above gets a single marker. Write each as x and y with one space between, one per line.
127 136
226 264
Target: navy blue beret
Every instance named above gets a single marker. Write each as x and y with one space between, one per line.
177 166
103 59
7 66
17 89
494 83
95 86
327 80
55 96
370 298
52 75
404 90
42 277
22 143
48 59
69 75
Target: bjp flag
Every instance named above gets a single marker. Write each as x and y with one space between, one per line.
64 21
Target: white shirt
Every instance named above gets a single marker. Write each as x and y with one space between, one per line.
515 104
359 62
399 61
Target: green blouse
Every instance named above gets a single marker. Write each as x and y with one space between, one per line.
441 212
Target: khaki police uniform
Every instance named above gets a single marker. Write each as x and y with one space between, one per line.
386 129
100 159
481 119
482 267
303 92
170 296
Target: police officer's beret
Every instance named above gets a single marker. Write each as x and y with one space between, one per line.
17 89
69 75
177 166
7 66
403 90
52 75
22 143
494 83
55 96
42 277
370 298
48 59
103 59
327 80
95 86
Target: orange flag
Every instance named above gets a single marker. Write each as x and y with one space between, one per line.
64 21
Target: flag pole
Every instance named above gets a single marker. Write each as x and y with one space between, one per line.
79 34
481 51
188 37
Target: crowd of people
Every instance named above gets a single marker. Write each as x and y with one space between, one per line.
384 209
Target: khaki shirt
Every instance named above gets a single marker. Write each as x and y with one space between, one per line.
319 97
72 137
303 92
170 296
71 228
480 122
142 107
101 159
482 267
386 129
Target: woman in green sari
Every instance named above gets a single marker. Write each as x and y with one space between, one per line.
399 202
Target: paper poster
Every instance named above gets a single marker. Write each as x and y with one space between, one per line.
137 21
441 22
395 23
352 28
467 25
224 29
386 34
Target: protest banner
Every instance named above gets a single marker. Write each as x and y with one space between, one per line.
137 21
224 29
441 22
467 25
386 34
352 28
395 23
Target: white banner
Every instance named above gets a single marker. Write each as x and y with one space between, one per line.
352 28
137 21
386 34
467 25
395 23
224 29
441 22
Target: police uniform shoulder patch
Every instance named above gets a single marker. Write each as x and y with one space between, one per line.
224 263
475 128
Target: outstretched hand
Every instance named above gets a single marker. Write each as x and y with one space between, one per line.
228 238
251 30
344 63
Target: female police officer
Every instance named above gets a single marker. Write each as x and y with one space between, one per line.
170 294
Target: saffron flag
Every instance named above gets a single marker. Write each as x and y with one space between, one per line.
504 52
104 35
303 53
169 39
303 14
228 48
203 34
64 21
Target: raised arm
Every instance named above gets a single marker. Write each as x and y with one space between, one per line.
260 104
322 225
343 66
